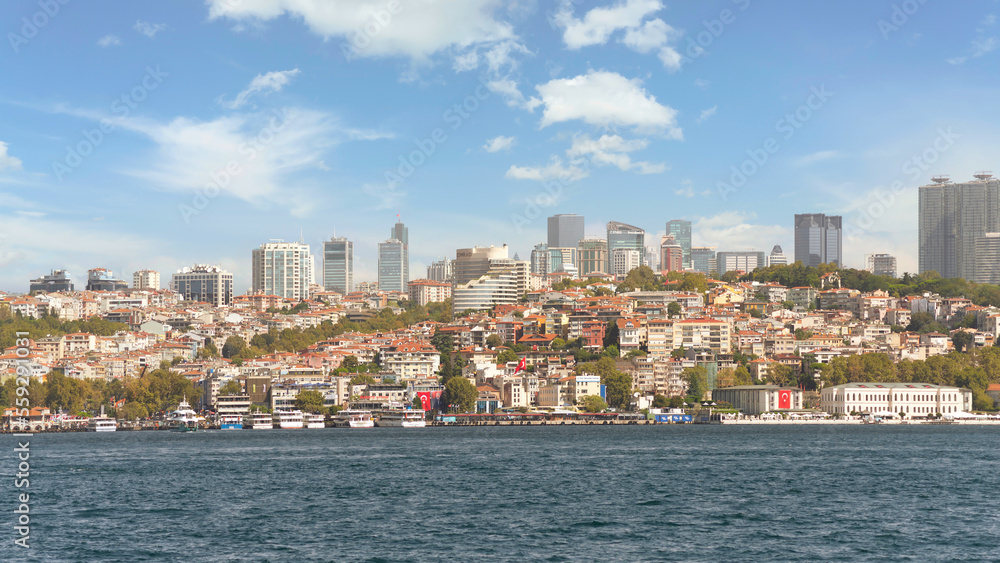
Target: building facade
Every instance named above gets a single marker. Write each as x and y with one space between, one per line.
681 231
952 216
204 283
101 279
627 237
818 239
759 399
987 259
592 257
745 261
914 400
146 279
428 291
881 264
777 257
440 270
471 263
624 260
282 268
393 270
671 255
338 265
57 280
565 230
703 260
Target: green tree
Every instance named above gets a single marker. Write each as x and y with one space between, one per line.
232 387
460 395
493 340
362 379
309 401
618 389
350 362
593 403
233 346
557 344
660 402
697 381
962 340
507 356
742 376
673 309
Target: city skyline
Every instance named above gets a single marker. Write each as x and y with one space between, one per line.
805 131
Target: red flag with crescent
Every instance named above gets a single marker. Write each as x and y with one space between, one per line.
521 365
425 400
784 399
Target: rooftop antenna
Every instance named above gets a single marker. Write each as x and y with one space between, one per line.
941 179
983 175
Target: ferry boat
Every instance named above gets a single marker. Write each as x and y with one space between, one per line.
287 419
258 421
231 422
354 419
102 423
184 419
311 420
402 418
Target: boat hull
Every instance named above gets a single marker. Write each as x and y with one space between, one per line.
402 423
231 426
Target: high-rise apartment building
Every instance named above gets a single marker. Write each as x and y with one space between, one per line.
622 236
393 266
546 260
338 265
502 283
987 259
777 257
881 264
592 255
818 239
744 261
624 260
57 280
671 255
146 279
471 263
440 270
101 279
282 268
681 231
204 283
952 217
565 230
703 259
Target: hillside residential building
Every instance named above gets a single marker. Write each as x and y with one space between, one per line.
146 279
427 291
204 283
284 269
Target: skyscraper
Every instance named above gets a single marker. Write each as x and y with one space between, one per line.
671 255
818 239
592 255
952 216
623 236
338 265
282 268
565 230
393 269
703 259
987 259
440 270
401 233
681 231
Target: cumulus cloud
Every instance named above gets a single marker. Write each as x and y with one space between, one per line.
8 162
109 41
499 143
734 230
606 99
612 150
554 170
416 31
642 36
266 83
707 113
149 29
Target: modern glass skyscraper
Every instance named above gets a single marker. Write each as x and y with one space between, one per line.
681 231
952 217
565 230
703 259
621 235
818 239
401 233
338 265
393 270
284 269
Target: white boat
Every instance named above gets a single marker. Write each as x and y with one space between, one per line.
354 419
287 419
311 420
102 423
184 419
231 422
258 421
402 418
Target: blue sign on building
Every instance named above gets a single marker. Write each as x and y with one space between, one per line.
674 418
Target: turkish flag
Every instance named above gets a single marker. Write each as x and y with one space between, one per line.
784 399
521 365
425 400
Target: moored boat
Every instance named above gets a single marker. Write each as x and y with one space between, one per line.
258 421
231 422
184 419
102 423
311 420
354 419
402 418
287 419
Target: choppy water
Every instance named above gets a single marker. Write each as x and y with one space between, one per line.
594 493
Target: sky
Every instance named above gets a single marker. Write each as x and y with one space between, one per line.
161 135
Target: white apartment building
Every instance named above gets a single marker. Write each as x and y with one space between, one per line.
624 260
284 269
146 279
915 400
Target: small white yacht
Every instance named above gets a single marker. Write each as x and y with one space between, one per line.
287 419
102 423
184 419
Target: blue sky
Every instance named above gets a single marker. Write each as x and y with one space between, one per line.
231 122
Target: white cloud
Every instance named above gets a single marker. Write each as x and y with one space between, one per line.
270 82
7 161
686 189
732 230
366 28
706 113
109 41
499 143
651 35
606 99
612 150
980 46
597 25
815 157
555 170
149 29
